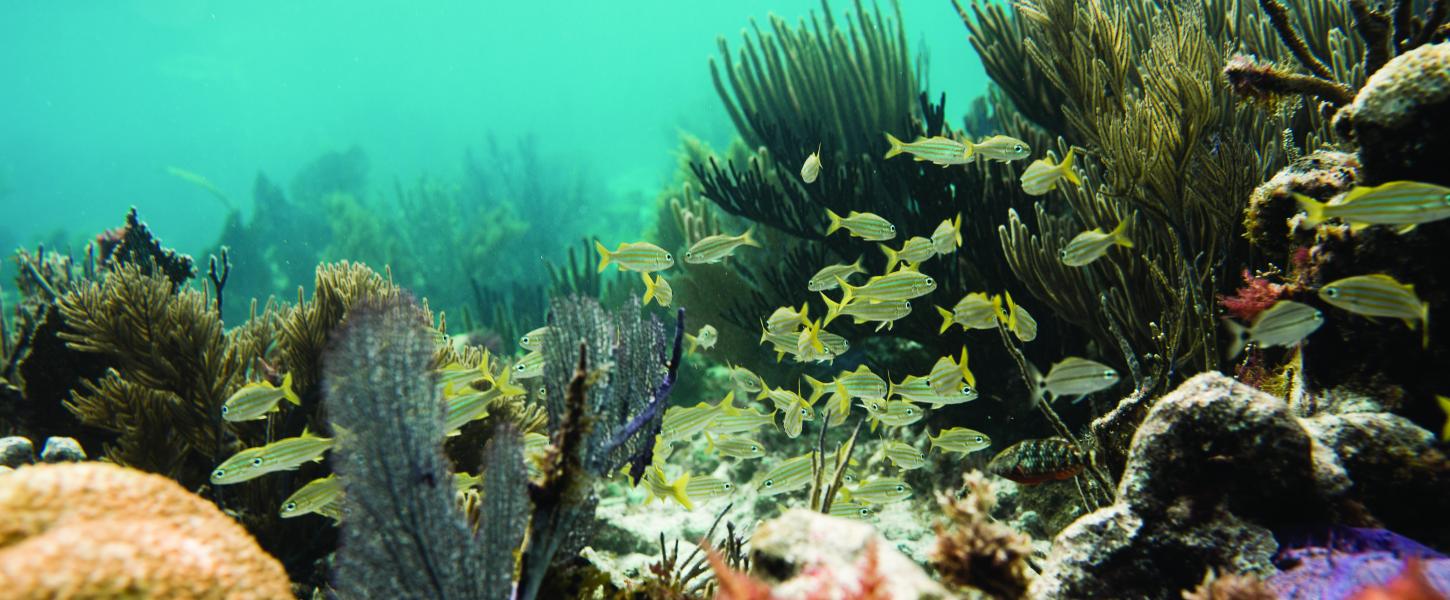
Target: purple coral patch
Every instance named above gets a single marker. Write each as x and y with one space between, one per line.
1336 564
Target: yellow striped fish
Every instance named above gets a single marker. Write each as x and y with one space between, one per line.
657 289
851 510
1406 203
530 366
1042 175
281 455
1017 319
861 383
937 150
899 413
254 400
1379 295
947 374
683 423
976 310
533 340
657 485
715 248
703 488
744 379
947 236
734 446
312 496
789 475
1092 244
455 376
812 167
796 416
997 147
885 314
705 339
637 256
905 456
919 389
867 226
465 409
881 490
733 420
914 251
960 439
901 285
825 279
786 319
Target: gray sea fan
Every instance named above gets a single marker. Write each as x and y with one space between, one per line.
402 536
506 507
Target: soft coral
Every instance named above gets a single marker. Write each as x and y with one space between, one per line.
1256 295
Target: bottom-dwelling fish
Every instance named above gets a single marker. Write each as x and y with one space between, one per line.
1036 461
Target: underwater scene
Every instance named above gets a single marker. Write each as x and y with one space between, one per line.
760 299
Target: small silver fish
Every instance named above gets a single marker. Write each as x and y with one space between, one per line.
898 285
734 446
851 510
937 150
281 455
904 455
1284 324
703 488
1073 376
530 366
715 248
867 226
960 439
1092 244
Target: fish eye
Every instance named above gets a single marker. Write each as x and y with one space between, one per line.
1109 374
803 412
863 511
688 255
977 439
219 473
289 507
524 340
669 256
930 282
257 462
908 304
900 488
728 485
910 411
519 367
769 483
966 389
1318 316
1330 292
224 409
755 448
1017 148
1062 253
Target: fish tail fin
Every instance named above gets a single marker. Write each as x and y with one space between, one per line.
847 292
677 490
836 222
957 229
604 255
1066 166
747 240
896 146
709 443
971 149
932 441
1313 209
966 372
1120 234
813 330
891 257
856 266
287 392
649 288
818 389
833 309
1239 335
694 343
946 319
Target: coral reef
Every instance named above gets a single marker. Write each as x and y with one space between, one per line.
94 530
973 551
1399 116
1217 470
1337 562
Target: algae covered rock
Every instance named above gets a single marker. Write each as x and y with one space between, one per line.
62 449
805 552
95 530
16 451
1400 116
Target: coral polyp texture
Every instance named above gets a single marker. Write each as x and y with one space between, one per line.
94 530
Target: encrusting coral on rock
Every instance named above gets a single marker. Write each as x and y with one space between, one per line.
94 530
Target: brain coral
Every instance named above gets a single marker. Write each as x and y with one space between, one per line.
94 530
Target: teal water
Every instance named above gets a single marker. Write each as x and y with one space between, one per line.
103 97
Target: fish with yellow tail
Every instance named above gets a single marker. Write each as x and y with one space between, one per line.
884 314
976 310
812 167
1017 319
715 248
947 374
1092 244
1042 176
905 456
867 226
734 446
533 340
1403 203
880 490
657 289
997 147
937 150
1030 462
657 485
312 497
825 279
704 488
703 340
947 236
1076 376
1286 323
1379 295
254 400
960 440
787 319
900 285
913 252
635 256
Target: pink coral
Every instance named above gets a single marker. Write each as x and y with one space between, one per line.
1256 295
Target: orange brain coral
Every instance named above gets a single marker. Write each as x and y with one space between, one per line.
94 530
